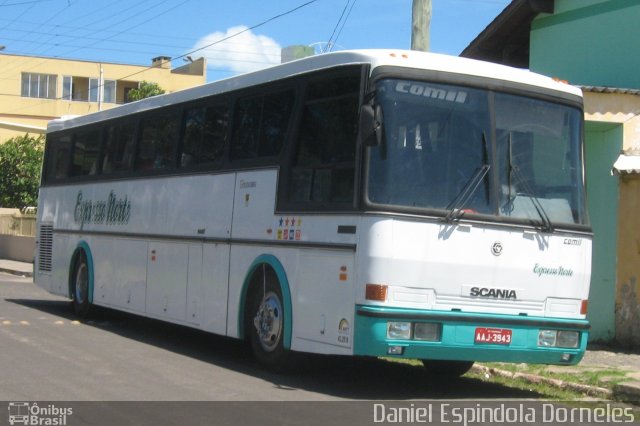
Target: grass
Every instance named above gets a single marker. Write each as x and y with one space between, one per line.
604 377
545 390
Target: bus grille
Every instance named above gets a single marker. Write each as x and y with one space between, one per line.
45 251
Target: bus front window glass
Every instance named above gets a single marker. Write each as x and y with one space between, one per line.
540 160
436 143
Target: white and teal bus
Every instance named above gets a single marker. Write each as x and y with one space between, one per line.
370 203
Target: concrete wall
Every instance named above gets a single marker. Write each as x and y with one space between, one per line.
588 42
603 142
628 268
594 43
14 247
616 250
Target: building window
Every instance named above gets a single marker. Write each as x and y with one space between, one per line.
88 89
67 87
93 90
109 91
39 85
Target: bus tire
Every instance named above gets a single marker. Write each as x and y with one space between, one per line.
446 369
80 286
265 322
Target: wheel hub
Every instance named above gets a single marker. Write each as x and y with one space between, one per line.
268 321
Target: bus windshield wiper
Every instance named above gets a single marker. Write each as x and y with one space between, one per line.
546 224
455 210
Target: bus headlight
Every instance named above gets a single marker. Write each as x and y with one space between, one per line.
427 331
398 330
567 339
559 338
547 338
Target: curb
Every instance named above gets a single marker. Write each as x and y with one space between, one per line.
17 273
627 393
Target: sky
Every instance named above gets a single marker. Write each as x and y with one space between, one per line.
235 36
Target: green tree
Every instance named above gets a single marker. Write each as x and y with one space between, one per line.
20 164
146 89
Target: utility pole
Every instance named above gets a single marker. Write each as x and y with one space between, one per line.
420 23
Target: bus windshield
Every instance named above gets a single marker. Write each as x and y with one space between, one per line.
455 151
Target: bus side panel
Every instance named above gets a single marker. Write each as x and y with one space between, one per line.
319 279
212 296
167 266
324 302
53 211
103 250
253 213
63 249
130 280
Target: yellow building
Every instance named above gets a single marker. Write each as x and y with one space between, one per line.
613 114
34 90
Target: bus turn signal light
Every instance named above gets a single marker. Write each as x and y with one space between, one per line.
584 307
376 292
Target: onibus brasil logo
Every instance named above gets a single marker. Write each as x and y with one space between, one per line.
26 413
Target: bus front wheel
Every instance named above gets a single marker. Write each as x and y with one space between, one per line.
266 324
446 369
80 293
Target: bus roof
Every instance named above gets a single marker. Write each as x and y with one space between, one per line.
376 58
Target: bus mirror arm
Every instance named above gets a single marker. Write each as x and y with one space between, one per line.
371 130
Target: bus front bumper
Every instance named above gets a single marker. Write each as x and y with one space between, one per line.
445 335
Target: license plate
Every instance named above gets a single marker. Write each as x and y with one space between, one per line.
496 336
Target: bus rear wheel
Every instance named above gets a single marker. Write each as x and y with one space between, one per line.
80 287
446 369
265 324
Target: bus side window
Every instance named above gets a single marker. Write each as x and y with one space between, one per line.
261 125
119 148
58 158
205 135
86 147
193 128
215 134
157 144
324 165
277 108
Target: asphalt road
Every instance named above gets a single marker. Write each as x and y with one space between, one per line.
46 354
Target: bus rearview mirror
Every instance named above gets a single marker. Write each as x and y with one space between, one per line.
371 125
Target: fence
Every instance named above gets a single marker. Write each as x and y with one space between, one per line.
17 234
17 223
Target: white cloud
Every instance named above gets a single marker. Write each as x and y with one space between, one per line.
241 53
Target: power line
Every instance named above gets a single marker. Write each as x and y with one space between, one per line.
121 31
248 29
342 27
118 49
88 26
336 27
23 2
266 21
